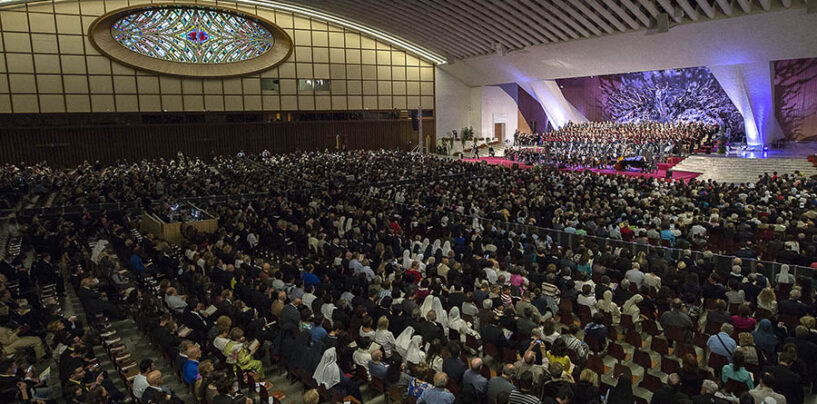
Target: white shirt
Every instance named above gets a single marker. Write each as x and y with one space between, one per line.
140 383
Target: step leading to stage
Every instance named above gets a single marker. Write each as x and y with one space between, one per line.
742 170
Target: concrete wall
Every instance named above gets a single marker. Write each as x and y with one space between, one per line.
453 104
497 106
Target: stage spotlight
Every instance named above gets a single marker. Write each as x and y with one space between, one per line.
766 148
743 148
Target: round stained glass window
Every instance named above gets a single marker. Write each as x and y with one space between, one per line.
189 40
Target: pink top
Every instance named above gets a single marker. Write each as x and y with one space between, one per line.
743 324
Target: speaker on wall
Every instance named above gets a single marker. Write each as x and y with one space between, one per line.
414 124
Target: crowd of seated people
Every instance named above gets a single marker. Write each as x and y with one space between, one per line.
344 286
600 144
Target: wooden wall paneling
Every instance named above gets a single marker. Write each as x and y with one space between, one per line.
72 145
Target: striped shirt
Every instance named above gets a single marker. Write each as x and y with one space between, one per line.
518 397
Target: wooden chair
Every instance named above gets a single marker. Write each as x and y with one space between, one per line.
377 385
674 334
669 365
491 350
660 345
633 338
393 395
735 387
642 358
626 322
716 362
650 327
593 343
472 342
453 335
713 327
584 314
596 364
621 370
651 382
700 340
508 355
683 349
616 351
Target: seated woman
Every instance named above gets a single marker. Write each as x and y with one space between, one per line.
736 371
456 323
329 375
242 354
742 321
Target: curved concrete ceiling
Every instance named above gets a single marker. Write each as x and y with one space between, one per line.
463 29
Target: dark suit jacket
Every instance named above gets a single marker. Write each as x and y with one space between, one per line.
708 399
152 395
787 383
289 320
430 331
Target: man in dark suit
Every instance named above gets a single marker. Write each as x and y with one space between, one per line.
290 319
430 329
786 381
155 392
195 320
453 366
793 306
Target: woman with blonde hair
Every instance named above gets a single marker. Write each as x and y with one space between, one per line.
223 325
767 300
586 388
384 337
746 344
238 352
607 305
630 308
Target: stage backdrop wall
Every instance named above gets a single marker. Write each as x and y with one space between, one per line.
67 146
662 95
47 65
795 93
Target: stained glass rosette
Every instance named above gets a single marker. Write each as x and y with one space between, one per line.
192 35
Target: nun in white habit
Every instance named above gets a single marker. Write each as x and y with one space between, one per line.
404 340
414 354
328 372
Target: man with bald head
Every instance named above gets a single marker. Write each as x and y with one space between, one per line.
670 393
529 362
501 383
473 377
155 392
437 394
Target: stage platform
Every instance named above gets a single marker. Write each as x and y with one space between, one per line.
660 173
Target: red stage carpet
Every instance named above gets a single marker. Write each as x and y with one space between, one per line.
660 173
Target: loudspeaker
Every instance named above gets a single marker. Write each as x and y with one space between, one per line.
515 166
414 124
662 22
668 174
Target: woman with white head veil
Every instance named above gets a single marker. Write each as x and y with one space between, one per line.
436 246
328 372
406 259
342 223
442 315
421 260
424 245
326 310
414 354
446 248
784 276
404 340
456 323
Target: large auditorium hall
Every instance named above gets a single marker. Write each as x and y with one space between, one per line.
415 201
